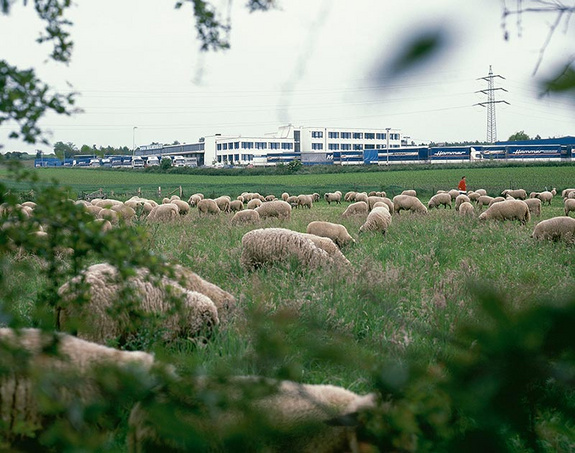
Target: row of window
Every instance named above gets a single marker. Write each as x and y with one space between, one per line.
252 145
235 158
348 146
357 135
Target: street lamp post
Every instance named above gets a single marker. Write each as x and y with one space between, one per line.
134 140
387 143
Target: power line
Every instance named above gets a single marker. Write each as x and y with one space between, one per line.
490 104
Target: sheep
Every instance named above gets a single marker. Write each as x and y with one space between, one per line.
236 205
318 418
371 194
462 198
46 367
91 306
565 193
108 214
410 192
483 200
357 208
466 208
334 197
374 199
473 196
328 246
270 245
497 200
556 228
520 194
379 219
408 203
569 205
305 201
245 216
440 199
534 206
293 201
381 204
454 193
254 203
270 197
508 210
285 196
349 196
481 192
209 206
361 196
194 199
316 196
183 206
545 197
277 208
223 203
164 212
533 194
381 194
336 232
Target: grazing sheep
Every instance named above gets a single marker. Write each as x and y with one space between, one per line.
466 208
316 196
94 305
41 367
328 246
305 201
223 203
349 196
357 208
566 192
381 204
461 199
269 198
556 228
108 214
508 210
194 199
361 196
183 206
236 205
293 201
533 194
277 208
545 197
473 196
483 200
334 197
534 206
520 194
254 203
285 196
336 232
209 206
307 418
271 245
440 199
497 200
454 193
408 203
481 192
164 212
410 192
245 216
379 219
569 205
371 200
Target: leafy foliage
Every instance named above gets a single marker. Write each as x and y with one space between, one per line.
518 136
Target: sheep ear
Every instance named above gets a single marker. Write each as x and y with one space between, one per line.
350 419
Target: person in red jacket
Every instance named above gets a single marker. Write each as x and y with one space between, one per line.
462 186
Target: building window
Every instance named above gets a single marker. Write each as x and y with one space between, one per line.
274 145
346 135
287 145
316 134
225 146
366 146
395 136
220 159
261 145
345 146
369 136
333 146
236 145
219 146
317 146
357 146
380 136
333 134
247 145
358 135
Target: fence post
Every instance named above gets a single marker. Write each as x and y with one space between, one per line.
159 192
181 193
139 191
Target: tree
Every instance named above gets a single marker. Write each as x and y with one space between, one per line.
519 136
65 150
85 149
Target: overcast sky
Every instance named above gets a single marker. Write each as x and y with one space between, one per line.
136 64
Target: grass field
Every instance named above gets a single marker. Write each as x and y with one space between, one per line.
402 299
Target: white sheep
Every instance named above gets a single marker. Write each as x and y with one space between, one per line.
454 193
349 196
379 219
305 201
473 196
270 197
54 367
508 210
481 191
440 199
245 216
483 200
277 208
328 246
409 192
335 231
466 208
209 206
223 203
271 245
569 205
497 200
332 197
371 200
236 205
361 196
556 228
565 193
462 198
408 203
94 304
520 194
307 418
285 196
545 197
254 203
356 208
534 206
164 212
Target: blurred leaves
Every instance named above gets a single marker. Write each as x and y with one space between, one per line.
562 82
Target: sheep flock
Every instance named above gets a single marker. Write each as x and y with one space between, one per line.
183 305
